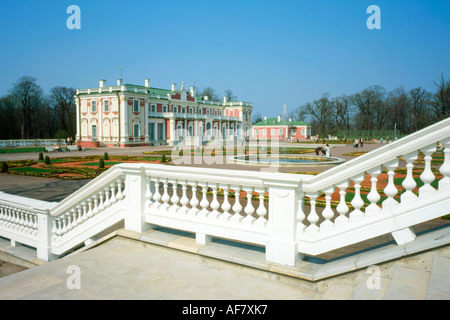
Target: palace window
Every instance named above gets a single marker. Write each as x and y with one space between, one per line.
153 108
106 106
135 105
93 106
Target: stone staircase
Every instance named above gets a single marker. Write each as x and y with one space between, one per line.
408 275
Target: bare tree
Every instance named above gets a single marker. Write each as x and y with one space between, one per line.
28 98
210 93
441 101
62 100
321 113
342 112
230 96
420 108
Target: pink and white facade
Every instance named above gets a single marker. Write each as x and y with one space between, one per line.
131 115
279 129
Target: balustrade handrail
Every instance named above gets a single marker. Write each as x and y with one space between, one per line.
87 190
380 156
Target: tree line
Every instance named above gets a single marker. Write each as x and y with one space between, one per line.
26 112
374 109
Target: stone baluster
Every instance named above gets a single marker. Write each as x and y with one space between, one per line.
68 216
373 196
194 200
313 218
327 213
301 213
342 208
409 183
357 202
64 227
90 214
120 194
54 230
444 183
427 175
35 225
112 186
204 203
175 198
157 194
107 202
261 211
101 206
226 206
95 211
390 189
148 192
74 212
59 230
214 203
237 207
184 199
249 209
165 196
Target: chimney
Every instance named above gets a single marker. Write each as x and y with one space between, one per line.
205 98
224 99
290 119
174 86
192 90
102 83
119 82
279 118
147 83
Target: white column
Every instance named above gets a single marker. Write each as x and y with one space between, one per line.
147 106
172 131
78 106
124 120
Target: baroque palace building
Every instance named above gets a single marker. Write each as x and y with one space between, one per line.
127 115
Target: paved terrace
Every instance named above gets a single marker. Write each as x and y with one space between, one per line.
163 264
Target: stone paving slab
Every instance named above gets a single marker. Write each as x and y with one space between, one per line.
439 285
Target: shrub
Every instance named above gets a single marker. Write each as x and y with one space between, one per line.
101 163
163 158
4 167
41 156
106 156
47 160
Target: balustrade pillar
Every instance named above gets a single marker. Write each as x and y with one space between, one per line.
136 186
282 245
44 227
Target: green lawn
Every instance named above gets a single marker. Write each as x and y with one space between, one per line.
32 169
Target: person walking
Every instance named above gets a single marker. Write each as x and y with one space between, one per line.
327 150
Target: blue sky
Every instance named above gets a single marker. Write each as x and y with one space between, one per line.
270 53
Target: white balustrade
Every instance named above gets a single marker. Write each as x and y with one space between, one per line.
233 204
